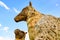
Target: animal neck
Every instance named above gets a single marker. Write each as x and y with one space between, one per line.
32 20
23 38
20 39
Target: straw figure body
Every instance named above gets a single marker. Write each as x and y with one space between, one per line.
40 26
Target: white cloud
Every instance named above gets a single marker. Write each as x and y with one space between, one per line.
1 38
4 5
6 38
57 4
0 25
6 29
16 10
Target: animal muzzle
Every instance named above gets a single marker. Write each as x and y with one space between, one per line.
20 18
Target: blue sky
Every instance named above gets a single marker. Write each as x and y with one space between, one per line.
10 8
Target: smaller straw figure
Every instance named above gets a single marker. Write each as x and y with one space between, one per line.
19 35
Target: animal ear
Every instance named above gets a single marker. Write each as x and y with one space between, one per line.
30 4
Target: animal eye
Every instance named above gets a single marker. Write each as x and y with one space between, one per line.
34 10
32 13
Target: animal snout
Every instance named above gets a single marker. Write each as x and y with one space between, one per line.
16 19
